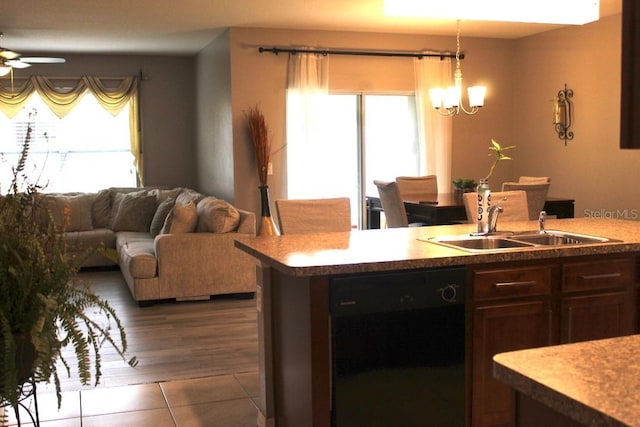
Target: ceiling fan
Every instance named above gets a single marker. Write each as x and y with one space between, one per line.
10 59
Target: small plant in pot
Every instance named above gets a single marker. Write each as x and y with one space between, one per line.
464 185
44 307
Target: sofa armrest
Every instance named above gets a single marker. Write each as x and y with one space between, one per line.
199 264
247 224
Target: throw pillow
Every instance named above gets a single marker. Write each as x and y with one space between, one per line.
71 213
217 216
118 196
181 219
161 215
101 209
135 213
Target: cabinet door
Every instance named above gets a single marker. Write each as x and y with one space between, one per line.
596 316
498 328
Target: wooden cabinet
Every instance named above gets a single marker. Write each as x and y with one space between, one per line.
597 300
533 305
512 311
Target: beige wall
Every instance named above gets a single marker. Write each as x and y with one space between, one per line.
591 168
522 77
215 159
261 79
168 110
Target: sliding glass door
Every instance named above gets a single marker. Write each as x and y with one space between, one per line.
355 139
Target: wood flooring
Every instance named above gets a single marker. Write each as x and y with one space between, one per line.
173 340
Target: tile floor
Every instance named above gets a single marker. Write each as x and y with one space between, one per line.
220 401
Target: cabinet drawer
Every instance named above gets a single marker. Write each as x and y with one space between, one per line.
512 282
604 274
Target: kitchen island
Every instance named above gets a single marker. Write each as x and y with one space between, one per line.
294 278
593 383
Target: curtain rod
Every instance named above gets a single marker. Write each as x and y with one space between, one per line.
141 76
420 55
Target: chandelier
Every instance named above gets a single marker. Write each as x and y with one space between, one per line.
448 102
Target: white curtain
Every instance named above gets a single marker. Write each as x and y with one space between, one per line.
434 130
307 158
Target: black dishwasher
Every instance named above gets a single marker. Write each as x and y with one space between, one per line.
398 348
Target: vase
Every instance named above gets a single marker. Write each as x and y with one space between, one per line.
267 225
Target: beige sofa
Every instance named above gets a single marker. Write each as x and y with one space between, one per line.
170 243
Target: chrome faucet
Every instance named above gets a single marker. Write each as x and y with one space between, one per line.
494 212
541 220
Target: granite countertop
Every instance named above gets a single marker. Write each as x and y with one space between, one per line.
596 383
404 248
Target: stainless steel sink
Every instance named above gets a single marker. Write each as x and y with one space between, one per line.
513 241
560 238
482 243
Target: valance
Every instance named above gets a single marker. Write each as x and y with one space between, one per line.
62 101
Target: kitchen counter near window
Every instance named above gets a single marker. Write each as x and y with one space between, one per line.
594 383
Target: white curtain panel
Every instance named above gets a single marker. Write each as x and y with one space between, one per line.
434 130
308 160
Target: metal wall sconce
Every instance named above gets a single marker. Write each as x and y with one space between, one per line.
563 114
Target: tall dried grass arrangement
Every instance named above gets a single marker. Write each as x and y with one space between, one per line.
261 143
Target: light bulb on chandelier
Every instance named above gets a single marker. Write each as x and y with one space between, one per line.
448 102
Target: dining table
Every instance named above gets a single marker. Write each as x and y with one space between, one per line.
448 208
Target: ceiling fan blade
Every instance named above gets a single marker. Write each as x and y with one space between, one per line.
8 54
17 63
42 60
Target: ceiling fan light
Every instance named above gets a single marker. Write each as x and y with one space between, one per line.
4 70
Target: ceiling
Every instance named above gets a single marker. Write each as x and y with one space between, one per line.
184 27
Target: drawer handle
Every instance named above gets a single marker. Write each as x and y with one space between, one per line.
600 276
504 285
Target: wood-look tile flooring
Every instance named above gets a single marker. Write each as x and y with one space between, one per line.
197 366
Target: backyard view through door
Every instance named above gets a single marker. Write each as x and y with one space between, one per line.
354 139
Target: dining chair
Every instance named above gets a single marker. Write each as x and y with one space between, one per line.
534 180
536 195
513 203
412 187
393 205
303 216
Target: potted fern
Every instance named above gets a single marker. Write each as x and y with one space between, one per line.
44 307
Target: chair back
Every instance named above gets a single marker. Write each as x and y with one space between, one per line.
415 187
536 195
534 180
514 205
392 204
305 216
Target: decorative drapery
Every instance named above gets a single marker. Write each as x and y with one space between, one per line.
434 130
307 90
62 101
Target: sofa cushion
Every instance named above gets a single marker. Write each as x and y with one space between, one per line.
216 216
161 215
135 213
116 200
181 219
101 209
139 258
70 212
164 194
188 195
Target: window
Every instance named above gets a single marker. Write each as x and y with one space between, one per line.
88 150
357 138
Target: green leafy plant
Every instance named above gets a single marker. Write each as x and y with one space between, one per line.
495 146
44 307
464 183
